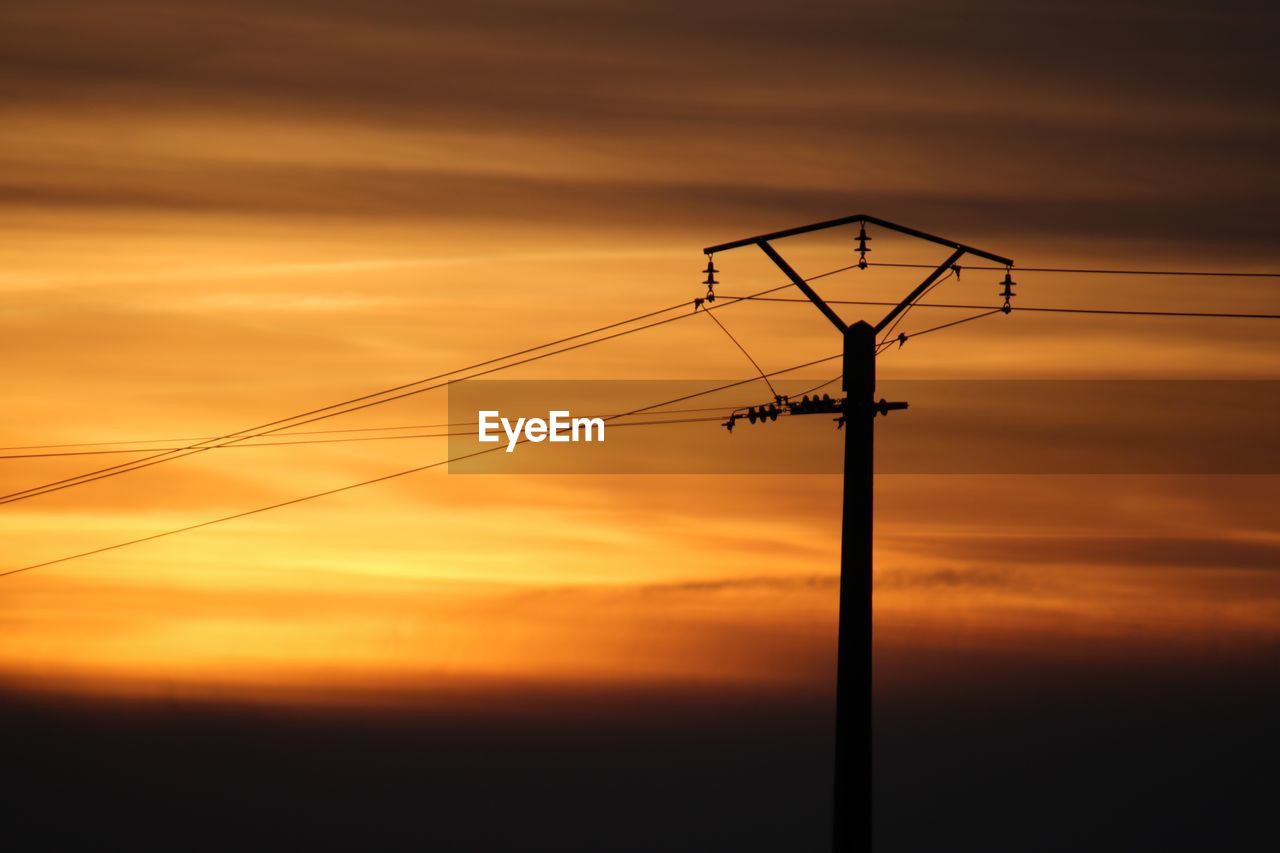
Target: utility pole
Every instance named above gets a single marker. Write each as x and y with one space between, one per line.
852 807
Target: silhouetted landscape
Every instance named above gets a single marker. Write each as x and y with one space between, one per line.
1010 755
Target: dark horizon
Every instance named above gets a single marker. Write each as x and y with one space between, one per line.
221 214
1001 753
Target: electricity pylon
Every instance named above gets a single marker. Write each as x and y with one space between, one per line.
852 801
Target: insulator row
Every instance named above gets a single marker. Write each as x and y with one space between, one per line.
754 414
816 405
763 413
804 406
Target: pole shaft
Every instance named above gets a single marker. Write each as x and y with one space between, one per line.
851 828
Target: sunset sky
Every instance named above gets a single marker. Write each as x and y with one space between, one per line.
216 214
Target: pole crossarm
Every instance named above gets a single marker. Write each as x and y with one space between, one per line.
803 285
851 220
920 288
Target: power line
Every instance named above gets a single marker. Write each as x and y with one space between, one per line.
374 398
1017 308
449 425
236 446
246 513
1212 315
349 439
1083 270
121 442
818 387
739 345
762 298
169 456
912 304
397 474
724 387
637 318
254 432
232 437
903 338
264 429
164 453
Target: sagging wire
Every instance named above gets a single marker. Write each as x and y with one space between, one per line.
739 345
902 338
1006 293
711 283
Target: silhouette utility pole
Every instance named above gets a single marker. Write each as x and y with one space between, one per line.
852 802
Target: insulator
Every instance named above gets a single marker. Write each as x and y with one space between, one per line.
1008 284
751 414
862 246
711 273
773 412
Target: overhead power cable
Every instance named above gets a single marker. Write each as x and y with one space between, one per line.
342 440
384 478
113 443
819 386
364 401
1092 271
369 400
889 332
1018 308
903 338
739 345
290 430
285 423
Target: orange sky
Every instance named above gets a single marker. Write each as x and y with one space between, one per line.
216 216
